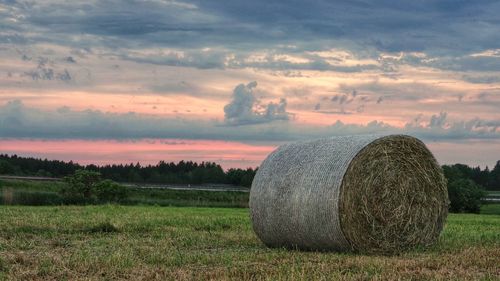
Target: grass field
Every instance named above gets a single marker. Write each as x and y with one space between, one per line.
22 192
170 243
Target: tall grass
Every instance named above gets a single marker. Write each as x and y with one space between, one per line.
20 192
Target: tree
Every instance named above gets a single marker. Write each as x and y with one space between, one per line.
457 171
80 186
6 168
494 180
86 186
465 196
183 172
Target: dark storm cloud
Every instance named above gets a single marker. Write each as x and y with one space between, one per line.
444 29
386 25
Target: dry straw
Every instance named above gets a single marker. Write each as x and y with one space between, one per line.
370 194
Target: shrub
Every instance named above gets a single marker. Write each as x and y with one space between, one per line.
86 187
110 191
465 196
80 187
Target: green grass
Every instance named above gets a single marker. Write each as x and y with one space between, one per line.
111 242
490 209
22 192
26 185
181 198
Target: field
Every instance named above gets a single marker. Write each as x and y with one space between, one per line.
34 193
110 242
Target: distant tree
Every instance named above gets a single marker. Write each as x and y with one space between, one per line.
465 196
241 177
479 176
134 176
457 171
215 173
197 176
233 176
494 177
43 173
183 172
247 179
6 168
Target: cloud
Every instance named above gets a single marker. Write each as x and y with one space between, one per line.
183 87
19 121
448 32
391 56
44 72
243 108
343 99
481 79
336 112
70 59
407 26
437 121
281 63
440 128
382 91
201 59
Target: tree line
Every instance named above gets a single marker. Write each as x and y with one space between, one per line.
189 172
93 184
486 178
183 172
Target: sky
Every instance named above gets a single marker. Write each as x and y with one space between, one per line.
229 80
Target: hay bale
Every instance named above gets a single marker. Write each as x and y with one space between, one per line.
370 194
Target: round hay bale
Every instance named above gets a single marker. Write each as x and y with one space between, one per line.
370 194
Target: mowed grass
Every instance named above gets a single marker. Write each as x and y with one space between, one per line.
111 242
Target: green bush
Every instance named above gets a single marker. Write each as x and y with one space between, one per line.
110 191
86 187
80 186
465 196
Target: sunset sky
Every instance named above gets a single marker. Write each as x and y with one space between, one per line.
228 81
